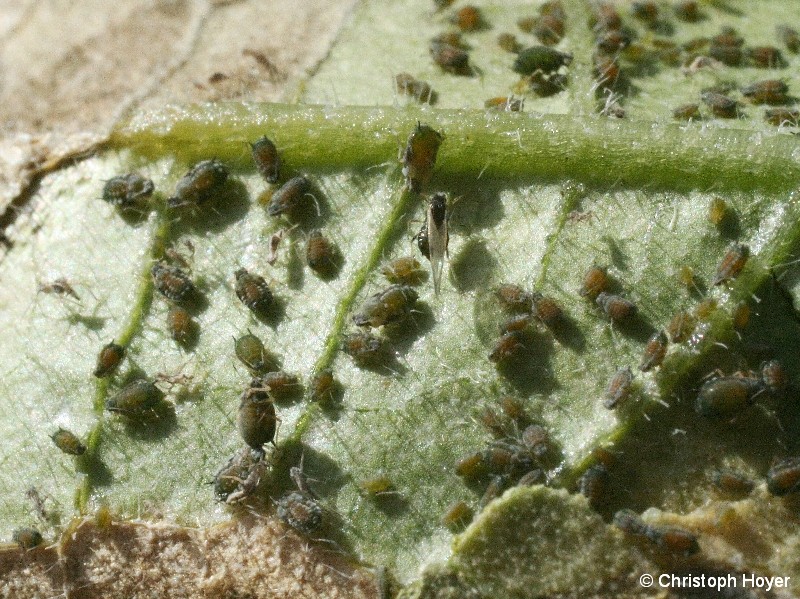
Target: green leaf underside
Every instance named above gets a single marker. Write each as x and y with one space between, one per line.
648 188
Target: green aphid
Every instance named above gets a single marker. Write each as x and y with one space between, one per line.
252 353
135 399
542 59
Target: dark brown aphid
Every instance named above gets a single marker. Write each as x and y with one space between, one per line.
771 91
741 316
278 384
252 353
405 271
391 305
265 155
534 477
595 282
604 17
540 58
619 388
784 477
289 197
180 324
688 10
364 348
686 112
109 359
536 438
615 307
68 442
686 277
705 309
321 387
681 327
728 36
729 55
451 59
458 516
199 184
673 539
505 103
135 399
782 116
509 43
613 41
725 396
252 290
374 487
322 255
546 309
300 511
549 29
594 484
514 299
790 37
774 376
544 85
240 477
419 156
645 10
733 483
27 538
766 57
60 287
172 282
410 86
507 347
125 191
256 417
654 351
468 18
721 105
518 322
471 466
732 264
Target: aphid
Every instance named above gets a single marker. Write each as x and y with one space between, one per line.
613 41
688 10
725 396
60 287
514 299
705 309
509 43
505 103
279 384
471 466
252 290
594 484
730 482
275 241
536 438
784 477
604 16
125 191
180 324
549 29
405 271
771 91
321 387
507 347
782 116
410 86
774 375
766 57
68 442
681 327
252 353
518 322
546 309
364 348
546 85
135 398
553 8
645 10
534 477
615 307
728 36
732 264
468 18
721 105
374 487
108 359
199 184
458 516
717 211
790 37
300 511
172 282
451 59
451 38
27 538
391 305
322 255
595 282
237 479
256 417
540 58
513 408
686 277
438 236
494 489
729 55
673 539
265 155
654 351
741 316
419 156
630 523
686 112
619 388
288 198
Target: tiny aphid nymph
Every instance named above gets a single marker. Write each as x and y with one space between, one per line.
615 307
364 348
252 290
265 156
721 105
171 282
458 516
686 112
514 298
410 86
681 327
374 487
594 484
322 386
59 286
202 181
450 58
135 399
595 282
322 255
790 37
405 271
68 442
125 191
619 388
300 511
732 263
252 353
419 157
654 351
109 359
279 384
509 346
673 539
180 324
391 305
468 18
